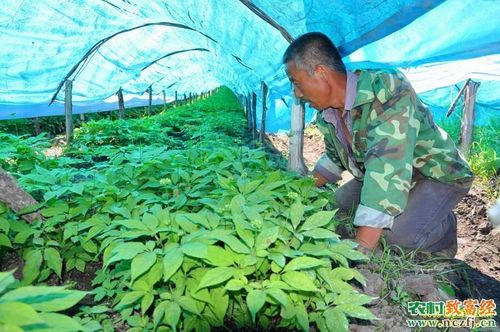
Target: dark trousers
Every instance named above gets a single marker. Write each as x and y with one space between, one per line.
427 223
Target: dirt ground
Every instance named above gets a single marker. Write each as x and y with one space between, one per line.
474 273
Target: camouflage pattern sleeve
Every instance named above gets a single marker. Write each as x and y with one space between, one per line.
329 165
329 169
391 138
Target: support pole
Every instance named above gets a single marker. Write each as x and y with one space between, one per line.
262 134
82 117
468 116
253 115
121 104
248 111
36 123
150 89
175 100
68 110
164 101
296 146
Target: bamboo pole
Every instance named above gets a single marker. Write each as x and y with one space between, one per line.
68 110
462 90
164 101
296 146
150 103
121 104
36 123
253 115
262 134
468 117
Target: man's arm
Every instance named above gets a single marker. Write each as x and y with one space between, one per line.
391 141
368 237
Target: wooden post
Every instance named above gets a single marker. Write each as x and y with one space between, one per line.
296 145
150 90
82 117
68 111
247 109
36 123
253 114
262 134
164 101
121 104
468 116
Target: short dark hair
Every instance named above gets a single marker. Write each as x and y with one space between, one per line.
312 49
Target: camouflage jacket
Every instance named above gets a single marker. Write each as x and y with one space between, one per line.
393 134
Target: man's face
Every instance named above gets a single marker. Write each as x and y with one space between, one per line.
312 88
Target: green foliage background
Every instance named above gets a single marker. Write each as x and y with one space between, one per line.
188 228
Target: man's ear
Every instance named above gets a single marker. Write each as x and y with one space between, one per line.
320 71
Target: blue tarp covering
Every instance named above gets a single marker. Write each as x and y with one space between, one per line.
197 45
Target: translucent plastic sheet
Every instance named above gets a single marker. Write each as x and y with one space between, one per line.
196 45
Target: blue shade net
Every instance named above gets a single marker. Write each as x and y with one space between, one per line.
191 46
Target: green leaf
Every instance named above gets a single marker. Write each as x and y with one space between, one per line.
319 219
172 261
30 209
216 276
189 304
31 268
58 322
300 281
256 299
302 263
146 302
4 225
159 313
233 243
336 321
141 263
150 221
321 233
125 251
195 249
356 311
18 313
353 298
219 304
172 314
302 317
267 237
296 213
130 298
58 209
4 241
6 279
218 256
279 295
235 285
54 261
45 298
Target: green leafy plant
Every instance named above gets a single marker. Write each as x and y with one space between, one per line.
191 230
34 308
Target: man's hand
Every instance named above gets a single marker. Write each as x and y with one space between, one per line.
368 237
320 179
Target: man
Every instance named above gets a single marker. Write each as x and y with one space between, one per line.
408 174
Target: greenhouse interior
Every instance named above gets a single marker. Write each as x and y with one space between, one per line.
249 165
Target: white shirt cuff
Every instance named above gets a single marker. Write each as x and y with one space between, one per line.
367 216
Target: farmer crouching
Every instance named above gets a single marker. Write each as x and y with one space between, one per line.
408 173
